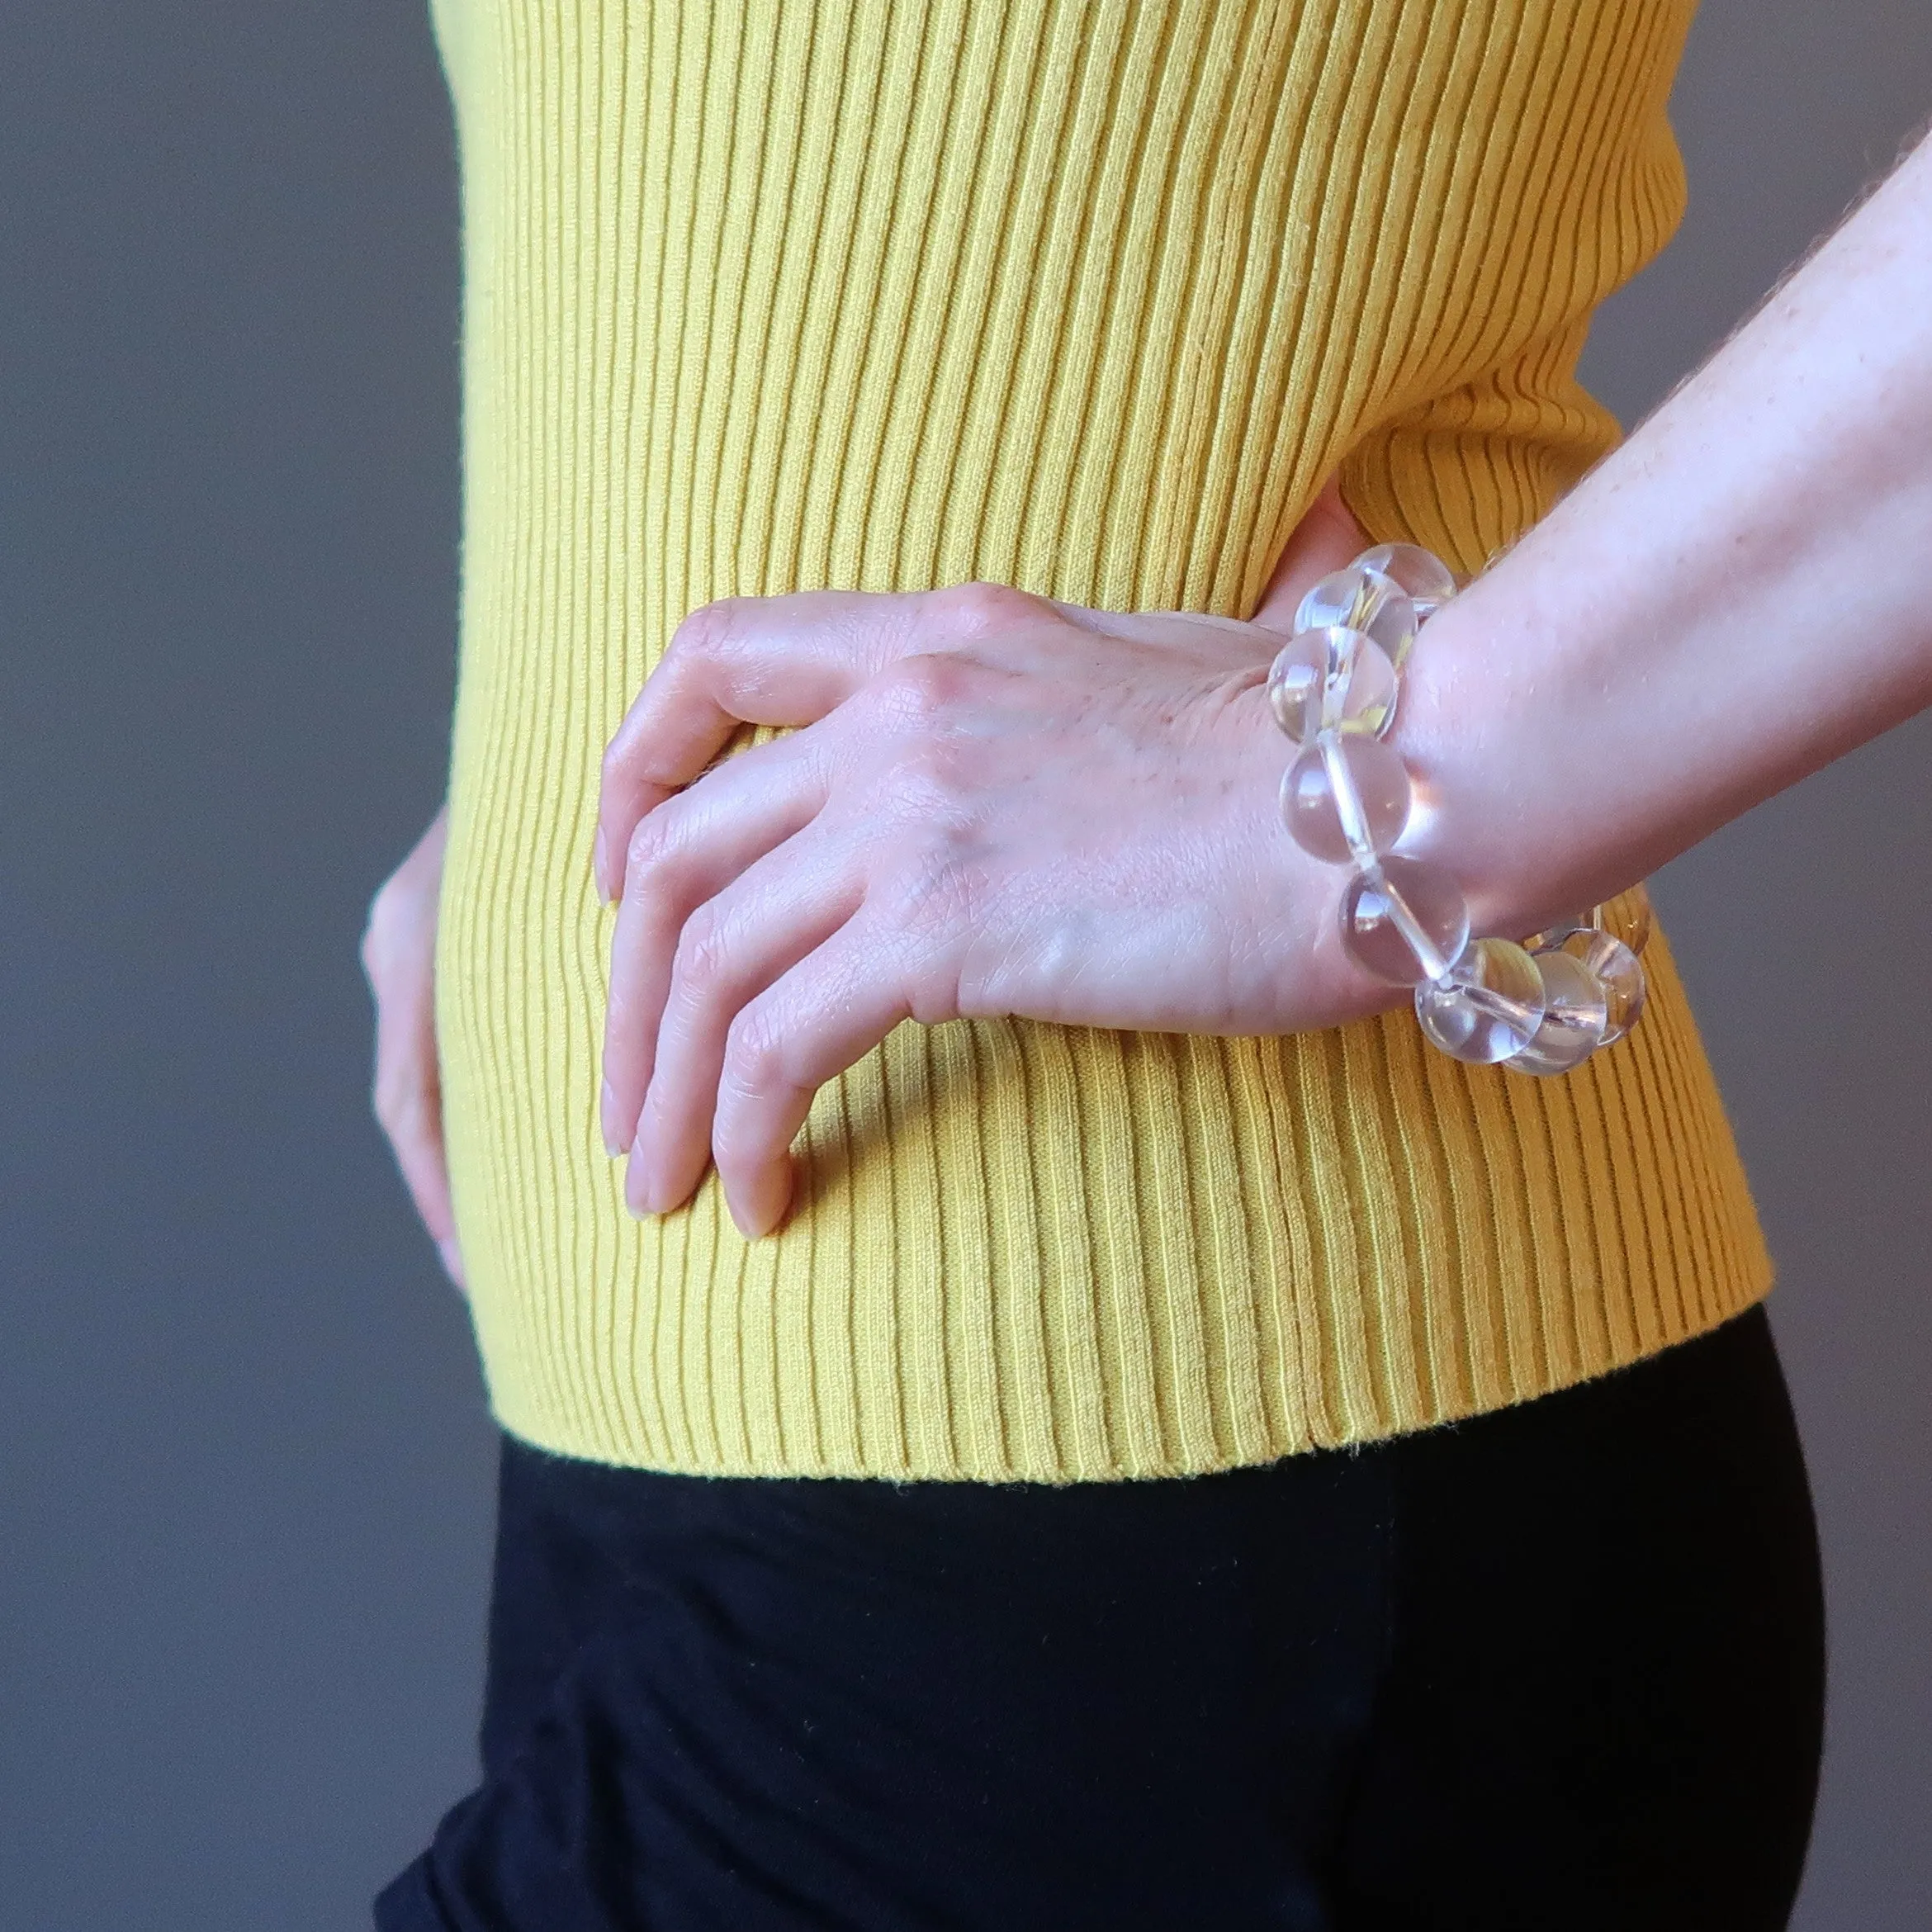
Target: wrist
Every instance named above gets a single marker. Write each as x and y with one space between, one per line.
1292 899
1506 755
1445 926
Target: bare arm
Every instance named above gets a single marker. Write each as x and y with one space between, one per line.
1736 596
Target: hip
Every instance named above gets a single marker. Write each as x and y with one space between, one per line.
1562 1664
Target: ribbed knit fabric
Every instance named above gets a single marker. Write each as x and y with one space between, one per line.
1087 296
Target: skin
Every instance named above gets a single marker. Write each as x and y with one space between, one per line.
991 803
399 950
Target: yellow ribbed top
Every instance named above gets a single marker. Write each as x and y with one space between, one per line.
1087 296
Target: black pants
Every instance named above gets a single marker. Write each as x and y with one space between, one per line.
1560 1667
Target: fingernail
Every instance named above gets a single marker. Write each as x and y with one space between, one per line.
597 868
606 1106
640 1188
452 1261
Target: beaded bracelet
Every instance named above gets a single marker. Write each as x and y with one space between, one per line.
1541 1005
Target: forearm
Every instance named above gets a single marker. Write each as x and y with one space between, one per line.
1735 597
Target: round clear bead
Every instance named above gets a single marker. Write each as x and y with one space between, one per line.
1575 1012
1349 598
1420 575
1296 681
1618 971
1404 920
1393 625
1487 1006
1346 797
1627 917
1332 677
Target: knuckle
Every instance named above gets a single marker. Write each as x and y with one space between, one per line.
711 630
396 928
972 609
702 948
921 690
654 841
755 1064
377 954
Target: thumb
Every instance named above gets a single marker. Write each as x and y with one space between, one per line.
1326 537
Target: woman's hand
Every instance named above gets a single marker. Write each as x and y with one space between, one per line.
398 953
994 803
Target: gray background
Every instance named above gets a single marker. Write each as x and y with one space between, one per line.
245 1467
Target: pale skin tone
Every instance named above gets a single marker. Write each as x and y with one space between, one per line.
991 803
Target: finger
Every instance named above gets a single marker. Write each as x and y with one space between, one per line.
771 661
684 852
408 1101
1326 537
774 661
806 1028
732 947
425 1171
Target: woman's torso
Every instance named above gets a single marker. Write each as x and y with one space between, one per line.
1089 299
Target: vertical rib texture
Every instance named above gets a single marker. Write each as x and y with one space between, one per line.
1087 296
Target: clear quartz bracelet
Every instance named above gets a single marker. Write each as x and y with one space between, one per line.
1541 1005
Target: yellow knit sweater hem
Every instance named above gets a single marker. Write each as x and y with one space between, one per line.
801 1355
